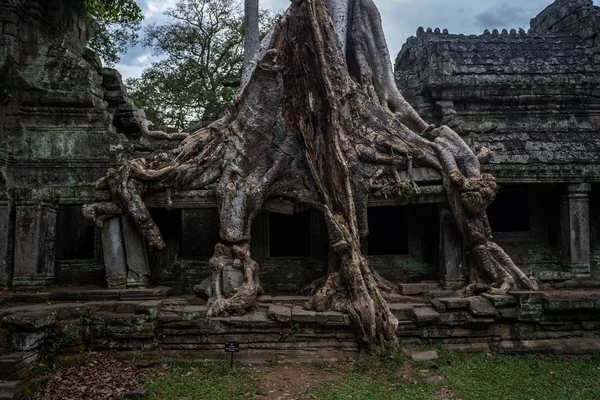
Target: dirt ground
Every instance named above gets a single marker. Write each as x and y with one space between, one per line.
290 381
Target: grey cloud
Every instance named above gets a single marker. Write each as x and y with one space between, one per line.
504 16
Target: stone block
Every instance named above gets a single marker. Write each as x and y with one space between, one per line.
26 341
438 305
34 245
138 268
280 313
18 365
6 242
30 321
500 301
425 356
481 307
439 294
453 318
231 279
454 303
115 263
426 314
303 316
528 300
149 307
417 288
567 304
9 389
204 289
402 311
330 318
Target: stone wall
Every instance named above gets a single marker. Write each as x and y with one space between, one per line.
61 113
532 98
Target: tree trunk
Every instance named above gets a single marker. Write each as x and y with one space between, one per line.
320 122
251 37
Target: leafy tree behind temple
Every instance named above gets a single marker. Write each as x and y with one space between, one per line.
201 46
118 22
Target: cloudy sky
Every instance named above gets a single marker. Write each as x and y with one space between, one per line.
401 18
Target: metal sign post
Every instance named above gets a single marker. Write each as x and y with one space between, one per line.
232 347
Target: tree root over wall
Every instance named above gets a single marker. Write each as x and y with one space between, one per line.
322 123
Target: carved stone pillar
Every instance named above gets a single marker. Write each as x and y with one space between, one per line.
35 236
138 267
575 230
115 265
452 256
7 235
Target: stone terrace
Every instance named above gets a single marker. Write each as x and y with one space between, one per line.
147 326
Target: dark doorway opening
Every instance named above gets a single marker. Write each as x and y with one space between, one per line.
388 231
289 235
74 239
510 210
199 232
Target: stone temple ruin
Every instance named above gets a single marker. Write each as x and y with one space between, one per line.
532 98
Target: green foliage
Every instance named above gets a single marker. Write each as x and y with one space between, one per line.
206 380
393 375
118 22
201 47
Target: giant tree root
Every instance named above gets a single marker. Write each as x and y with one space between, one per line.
319 122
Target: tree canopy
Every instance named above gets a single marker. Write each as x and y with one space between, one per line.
200 48
118 22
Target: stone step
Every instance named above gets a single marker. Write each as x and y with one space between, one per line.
404 312
86 294
9 390
426 314
417 288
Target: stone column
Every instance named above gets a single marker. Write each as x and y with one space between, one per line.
575 230
35 236
452 260
113 248
138 268
7 235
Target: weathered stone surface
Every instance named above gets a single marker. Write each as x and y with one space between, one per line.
332 318
480 307
452 260
299 314
425 356
454 303
115 263
231 279
204 289
26 341
437 294
34 245
402 311
18 364
567 304
280 313
426 314
501 301
138 269
30 321
417 288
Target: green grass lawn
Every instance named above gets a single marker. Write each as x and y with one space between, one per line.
395 376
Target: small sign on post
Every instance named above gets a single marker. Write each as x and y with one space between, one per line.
232 347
